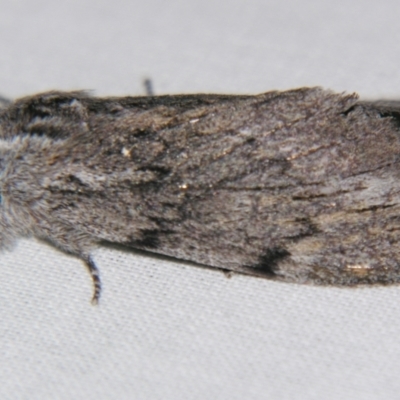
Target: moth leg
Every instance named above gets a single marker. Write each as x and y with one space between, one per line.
148 87
76 244
94 273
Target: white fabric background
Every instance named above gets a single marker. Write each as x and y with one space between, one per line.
165 329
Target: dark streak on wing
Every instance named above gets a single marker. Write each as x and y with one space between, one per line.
269 261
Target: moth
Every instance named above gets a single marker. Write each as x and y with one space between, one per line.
299 186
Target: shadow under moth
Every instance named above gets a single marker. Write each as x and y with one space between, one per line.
300 186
